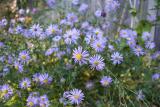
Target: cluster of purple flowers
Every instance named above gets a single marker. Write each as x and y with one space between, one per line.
148 38
131 37
43 79
74 96
6 91
34 100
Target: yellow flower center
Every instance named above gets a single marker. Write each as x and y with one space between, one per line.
16 67
30 104
106 83
96 62
5 91
76 97
79 56
24 83
53 31
97 33
23 57
45 81
98 45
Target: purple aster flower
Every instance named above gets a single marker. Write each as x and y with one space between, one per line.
155 76
43 101
146 36
117 58
151 18
45 79
25 83
52 29
36 77
80 56
124 33
50 51
36 30
83 7
85 25
71 36
155 55
89 38
140 95
24 56
106 81
111 5
72 18
57 38
32 100
96 62
98 33
75 2
66 94
131 42
98 13
111 47
89 85
98 45
6 91
18 66
51 3
138 51
75 96
150 45
3 22
1 44
19 29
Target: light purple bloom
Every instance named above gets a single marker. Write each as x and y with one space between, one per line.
24 56
43 101
80 56
98 13
106 81
111 5
83 7
25 83
33 100
117 58
150 45
75 2
71 36
18 66
155 76
52 29
19 29
98 33
6 91
50 51
85 25
3 22
57 38
51 3
96 62
111 47
36 30
72 18
138 51
1 44
98 45
140 95
75 96
45 79
146 36
36 77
